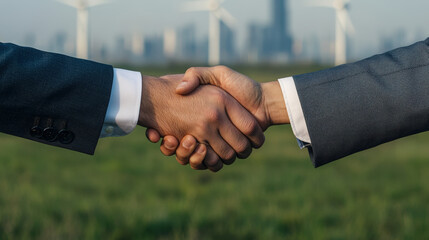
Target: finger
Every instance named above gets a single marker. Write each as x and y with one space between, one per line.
185 149
194 77
222 149
245 122
169 145
212 161
153 135
236 139
197 159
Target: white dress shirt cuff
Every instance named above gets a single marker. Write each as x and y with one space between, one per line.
124 105
294 109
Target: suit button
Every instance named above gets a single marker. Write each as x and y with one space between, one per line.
109 130
49 134
36 131
65 136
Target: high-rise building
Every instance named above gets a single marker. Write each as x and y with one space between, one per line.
187 43
58 43
120 53
280 39
227 46
272 42
255 43
154 49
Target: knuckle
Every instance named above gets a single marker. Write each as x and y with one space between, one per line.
243 148
229 161
251 128
192 71
261 141
202 127
245 155
219 96
229 156
213 115
222 68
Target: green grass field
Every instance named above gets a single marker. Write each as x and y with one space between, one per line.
128 190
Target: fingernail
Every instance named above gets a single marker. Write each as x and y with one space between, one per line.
201 149
169 145
182 85
187 144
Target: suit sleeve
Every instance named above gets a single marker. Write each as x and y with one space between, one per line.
357 106
52 98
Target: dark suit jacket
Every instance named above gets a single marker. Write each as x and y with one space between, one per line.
53 99
361 105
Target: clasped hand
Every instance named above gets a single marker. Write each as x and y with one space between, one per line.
216 123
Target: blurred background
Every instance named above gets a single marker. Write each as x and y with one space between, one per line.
160 32
128 190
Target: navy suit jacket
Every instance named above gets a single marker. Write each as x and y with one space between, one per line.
52 98
361 105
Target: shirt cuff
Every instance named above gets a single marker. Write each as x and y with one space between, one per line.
294 109
124 105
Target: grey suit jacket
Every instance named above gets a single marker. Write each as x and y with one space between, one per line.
52 98
357 106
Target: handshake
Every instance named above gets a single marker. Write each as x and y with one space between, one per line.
210 125
210 116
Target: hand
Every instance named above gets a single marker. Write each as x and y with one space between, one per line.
209 114
264 101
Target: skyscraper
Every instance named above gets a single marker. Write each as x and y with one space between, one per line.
256 50
187 43
227 46
272 42
279 33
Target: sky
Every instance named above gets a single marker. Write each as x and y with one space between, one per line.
373 19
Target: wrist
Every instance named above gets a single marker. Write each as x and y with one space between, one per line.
146 115
274 103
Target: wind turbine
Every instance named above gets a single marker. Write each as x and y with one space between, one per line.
216 14
343 26
82 7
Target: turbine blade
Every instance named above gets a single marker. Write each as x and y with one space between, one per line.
342 20
345 22
94 3
70 3
226 17
351 27
196 6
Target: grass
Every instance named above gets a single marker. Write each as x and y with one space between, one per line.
128 190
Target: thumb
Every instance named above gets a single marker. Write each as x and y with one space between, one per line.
193 78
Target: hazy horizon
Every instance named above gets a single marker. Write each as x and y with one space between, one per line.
372 20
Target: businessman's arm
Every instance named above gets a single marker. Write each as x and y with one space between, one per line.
62 101
356 106
53 99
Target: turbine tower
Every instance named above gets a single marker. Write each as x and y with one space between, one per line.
216 14
82 7
343 26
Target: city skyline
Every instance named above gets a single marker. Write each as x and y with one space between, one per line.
110 22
